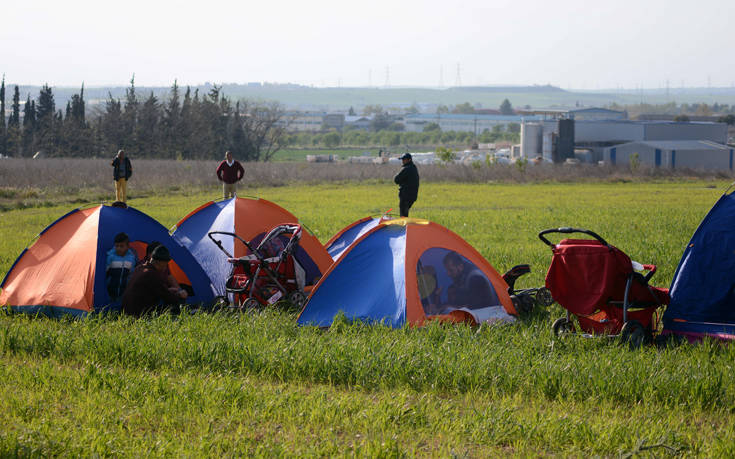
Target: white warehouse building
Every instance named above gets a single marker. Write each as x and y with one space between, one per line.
463 123
673 154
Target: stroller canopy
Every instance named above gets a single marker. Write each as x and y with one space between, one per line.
251 219
63 271
348 235
397 273
703 288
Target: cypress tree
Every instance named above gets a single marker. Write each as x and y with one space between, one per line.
130 118
13 142
173 122
29 127
14 119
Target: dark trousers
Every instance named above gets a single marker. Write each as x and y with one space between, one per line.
404 205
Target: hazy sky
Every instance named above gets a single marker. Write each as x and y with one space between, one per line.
584 44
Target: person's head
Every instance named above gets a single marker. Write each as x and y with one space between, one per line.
228 156
406 158
454 265
151 247
122 243
160 258
121 153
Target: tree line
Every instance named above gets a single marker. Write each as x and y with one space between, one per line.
181 126
431 136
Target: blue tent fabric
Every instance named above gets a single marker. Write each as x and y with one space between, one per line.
343 242
703 288
192 234
374 297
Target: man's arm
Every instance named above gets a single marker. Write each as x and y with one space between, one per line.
219 171
400 177
161 290
240 171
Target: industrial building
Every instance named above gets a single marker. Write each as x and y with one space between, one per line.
673 154
585 135
474 123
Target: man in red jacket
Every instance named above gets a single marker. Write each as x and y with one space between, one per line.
229 172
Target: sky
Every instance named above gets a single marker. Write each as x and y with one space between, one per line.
576 44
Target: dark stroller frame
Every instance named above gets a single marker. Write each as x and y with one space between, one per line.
297 297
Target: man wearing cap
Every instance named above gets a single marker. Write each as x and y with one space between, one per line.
148 288
408 184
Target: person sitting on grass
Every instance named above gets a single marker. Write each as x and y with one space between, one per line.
120 262
148 288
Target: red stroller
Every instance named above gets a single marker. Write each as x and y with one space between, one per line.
599 285
269 272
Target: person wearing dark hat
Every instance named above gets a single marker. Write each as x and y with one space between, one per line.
408 184
148 288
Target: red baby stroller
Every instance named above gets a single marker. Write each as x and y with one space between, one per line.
269 272
600 286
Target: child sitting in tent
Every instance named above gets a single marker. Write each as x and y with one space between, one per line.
121 260
429 290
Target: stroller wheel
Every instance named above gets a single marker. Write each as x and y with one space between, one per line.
297 298
220 303
633 334
562 326
250 303
543 297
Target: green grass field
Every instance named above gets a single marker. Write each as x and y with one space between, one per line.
256 384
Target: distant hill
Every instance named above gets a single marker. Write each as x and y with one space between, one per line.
341 98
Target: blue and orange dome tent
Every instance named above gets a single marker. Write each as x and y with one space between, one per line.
398 273
63 271
251 219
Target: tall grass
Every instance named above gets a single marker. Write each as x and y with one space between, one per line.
256 384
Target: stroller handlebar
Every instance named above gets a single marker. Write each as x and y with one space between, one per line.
569 230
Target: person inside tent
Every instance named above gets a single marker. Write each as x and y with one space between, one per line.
470 288
172 283
429 290
148 288
120 262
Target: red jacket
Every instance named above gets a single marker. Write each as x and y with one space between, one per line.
230 174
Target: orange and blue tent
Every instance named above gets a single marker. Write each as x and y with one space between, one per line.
251 219
407 271
63 271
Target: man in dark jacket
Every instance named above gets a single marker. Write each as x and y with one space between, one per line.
148 288
408 184
122 170
229 172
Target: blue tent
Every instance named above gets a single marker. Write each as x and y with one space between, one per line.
63 271
703 289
